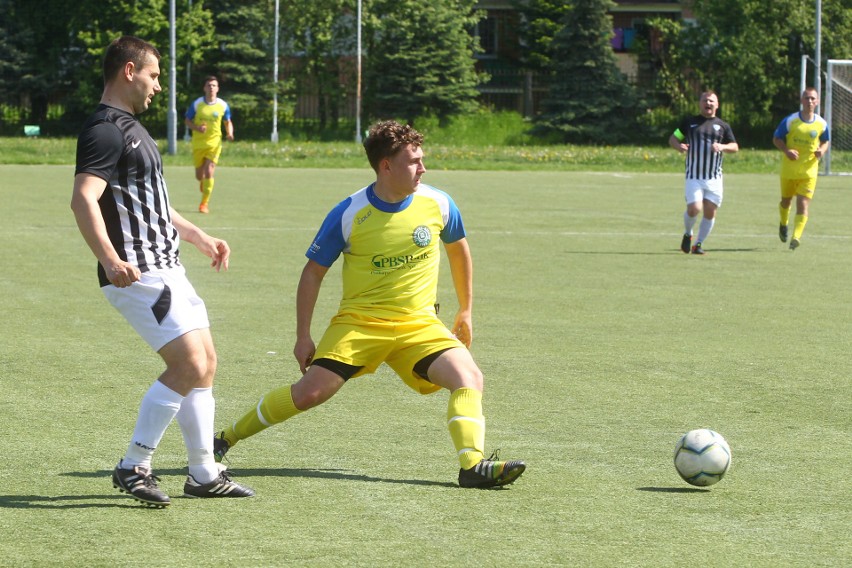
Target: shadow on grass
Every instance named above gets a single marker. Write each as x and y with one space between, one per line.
66 502
339 474
655 253
673 489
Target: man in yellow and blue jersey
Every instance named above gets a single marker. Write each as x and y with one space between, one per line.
803 138
389 236
205 117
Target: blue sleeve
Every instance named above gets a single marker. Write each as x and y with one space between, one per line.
454 229
190 112
825 136
329 241
227 112
781 131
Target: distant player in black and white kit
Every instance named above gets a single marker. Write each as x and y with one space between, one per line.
704 138
121 205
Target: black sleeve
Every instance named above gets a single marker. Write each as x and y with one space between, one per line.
99 149
728 134
684 128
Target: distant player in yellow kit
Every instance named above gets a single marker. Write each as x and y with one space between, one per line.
389 235
804 139
205 117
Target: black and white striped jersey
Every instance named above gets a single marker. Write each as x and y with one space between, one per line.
135 205
700 133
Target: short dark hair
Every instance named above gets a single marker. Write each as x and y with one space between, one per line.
209 78
124 49
387 138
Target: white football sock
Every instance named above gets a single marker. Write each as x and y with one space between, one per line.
159 405
705 228
688 223
195 418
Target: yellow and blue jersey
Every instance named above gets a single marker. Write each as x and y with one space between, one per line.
211 114
391 252
805 138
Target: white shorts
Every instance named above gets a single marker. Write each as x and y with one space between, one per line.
697 190
161 306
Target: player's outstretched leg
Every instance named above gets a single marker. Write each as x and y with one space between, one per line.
141 484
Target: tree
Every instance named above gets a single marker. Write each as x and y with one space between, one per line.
95 23
242 58
750 52
322 32
31 71
420 59
590 100
540 22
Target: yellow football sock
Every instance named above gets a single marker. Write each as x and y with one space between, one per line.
206 190
276 406
801 221
467 426
785 215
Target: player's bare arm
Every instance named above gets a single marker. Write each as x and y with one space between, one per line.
197 127
306 300
88 189
675 143
789 152
229 130
461 269
823 148
729 148
217 249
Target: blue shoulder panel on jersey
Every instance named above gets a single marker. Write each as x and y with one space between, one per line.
329 241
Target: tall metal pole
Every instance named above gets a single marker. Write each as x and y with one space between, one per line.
186 134
274 136
171 122
358 80
818 57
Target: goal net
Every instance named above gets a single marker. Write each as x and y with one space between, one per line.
837 111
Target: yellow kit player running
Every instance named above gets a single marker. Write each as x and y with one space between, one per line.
804 139
205 117
388 234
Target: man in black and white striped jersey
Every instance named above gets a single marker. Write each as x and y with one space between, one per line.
704 138
121 206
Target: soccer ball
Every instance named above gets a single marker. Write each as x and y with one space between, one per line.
702 457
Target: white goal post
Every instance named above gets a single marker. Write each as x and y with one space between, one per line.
837 110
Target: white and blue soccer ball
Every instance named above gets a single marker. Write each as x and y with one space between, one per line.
702 457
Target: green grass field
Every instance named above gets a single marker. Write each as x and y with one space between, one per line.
601 343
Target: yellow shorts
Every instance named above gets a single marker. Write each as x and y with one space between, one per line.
792 187
368 342
200 154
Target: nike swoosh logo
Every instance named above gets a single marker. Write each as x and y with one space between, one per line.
135 145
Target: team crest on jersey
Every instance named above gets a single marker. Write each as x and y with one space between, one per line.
813 133
422 236
717 128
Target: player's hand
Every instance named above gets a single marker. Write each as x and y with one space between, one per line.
304 352
463 328
793 155
217 249
202 128
221 255
683 148
122 274
818 153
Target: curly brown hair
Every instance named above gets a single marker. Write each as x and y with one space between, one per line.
387 138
